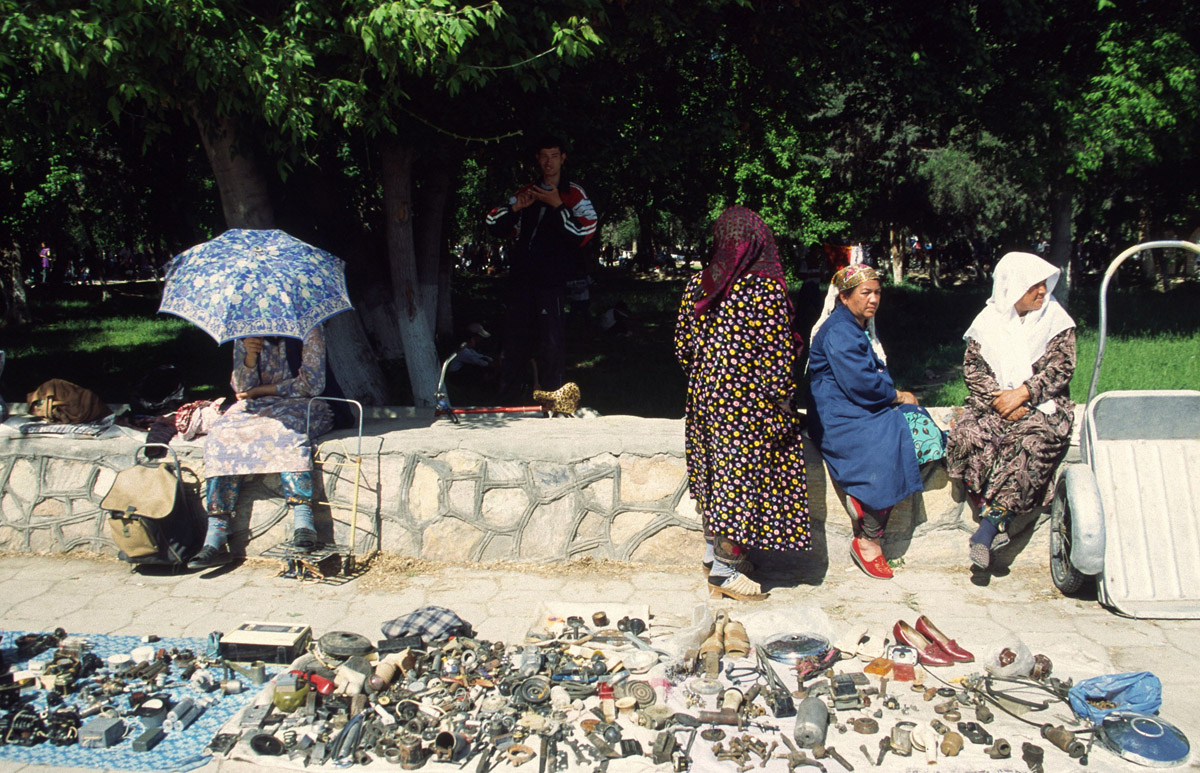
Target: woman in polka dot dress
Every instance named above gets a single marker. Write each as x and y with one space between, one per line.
745 458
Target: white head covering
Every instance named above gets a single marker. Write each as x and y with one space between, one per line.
1009 342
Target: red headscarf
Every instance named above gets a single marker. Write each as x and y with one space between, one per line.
742 245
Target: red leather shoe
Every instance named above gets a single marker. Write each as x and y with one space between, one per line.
928 652
930 631
877 567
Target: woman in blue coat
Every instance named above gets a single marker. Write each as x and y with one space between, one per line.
873 436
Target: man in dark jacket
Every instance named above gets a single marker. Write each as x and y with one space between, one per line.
550 221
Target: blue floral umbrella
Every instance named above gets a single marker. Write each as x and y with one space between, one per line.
255 283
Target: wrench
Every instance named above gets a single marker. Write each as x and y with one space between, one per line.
885 746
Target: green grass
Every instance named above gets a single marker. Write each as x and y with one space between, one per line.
108 340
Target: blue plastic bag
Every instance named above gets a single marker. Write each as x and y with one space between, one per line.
1140 692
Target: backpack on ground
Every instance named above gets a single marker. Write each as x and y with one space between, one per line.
149 517
62 402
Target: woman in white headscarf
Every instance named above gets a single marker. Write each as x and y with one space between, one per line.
1016 425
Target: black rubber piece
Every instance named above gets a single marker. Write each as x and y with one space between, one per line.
266 744
344 644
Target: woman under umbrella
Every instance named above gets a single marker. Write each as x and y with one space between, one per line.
1016 425
873 436
265 432
745 460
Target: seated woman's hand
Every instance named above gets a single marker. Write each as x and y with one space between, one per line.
1008 402
905 398
1018 414
254 347
264 390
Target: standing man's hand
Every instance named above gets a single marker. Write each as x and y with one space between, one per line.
548 197
524 198
905 398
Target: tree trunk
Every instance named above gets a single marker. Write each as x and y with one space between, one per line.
245 199
445 312
416 330
435 194
897 253
644 257
379 315
15 304
1062 209
352 360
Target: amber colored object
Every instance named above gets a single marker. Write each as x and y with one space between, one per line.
879 667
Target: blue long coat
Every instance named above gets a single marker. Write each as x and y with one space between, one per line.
865 439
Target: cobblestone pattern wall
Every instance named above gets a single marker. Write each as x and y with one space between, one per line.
465 506
453 506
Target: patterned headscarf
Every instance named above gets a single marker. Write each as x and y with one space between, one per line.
849 277
853 275
742 245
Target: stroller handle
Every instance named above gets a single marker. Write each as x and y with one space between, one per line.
1108 275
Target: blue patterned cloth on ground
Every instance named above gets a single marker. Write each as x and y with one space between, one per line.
182 750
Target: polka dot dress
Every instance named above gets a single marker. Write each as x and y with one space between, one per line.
745 457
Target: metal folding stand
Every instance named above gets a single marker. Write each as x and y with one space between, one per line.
329 563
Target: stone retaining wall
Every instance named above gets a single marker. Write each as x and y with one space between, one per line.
488 489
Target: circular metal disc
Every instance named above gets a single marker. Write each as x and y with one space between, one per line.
1144 739
642 692
792 647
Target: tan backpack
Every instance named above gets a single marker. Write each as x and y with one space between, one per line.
62 402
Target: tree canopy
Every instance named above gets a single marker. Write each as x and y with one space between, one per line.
383 130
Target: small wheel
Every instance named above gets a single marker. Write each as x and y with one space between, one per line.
1065 576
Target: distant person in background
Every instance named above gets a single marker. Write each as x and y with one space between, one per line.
44 254
1016 425
549 221
745 458
579 304
468 357
614 321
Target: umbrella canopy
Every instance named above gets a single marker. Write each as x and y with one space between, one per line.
255 283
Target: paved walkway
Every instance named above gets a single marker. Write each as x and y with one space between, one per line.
1080 637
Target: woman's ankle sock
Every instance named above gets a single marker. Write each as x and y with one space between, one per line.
302 518
721 569
218 531
986 532
709 553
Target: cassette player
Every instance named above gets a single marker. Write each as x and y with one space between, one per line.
268 642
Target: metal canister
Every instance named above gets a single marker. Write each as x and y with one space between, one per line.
410 752
812 722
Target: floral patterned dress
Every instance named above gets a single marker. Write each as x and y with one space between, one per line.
745 457
267 434
1010 464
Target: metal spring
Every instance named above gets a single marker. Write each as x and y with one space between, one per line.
289 739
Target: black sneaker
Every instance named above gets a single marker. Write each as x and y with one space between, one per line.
209 557
304 539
